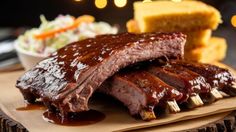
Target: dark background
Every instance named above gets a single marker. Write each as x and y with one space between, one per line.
25 13
16 13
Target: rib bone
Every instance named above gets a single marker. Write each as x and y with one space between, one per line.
212 96
147 115
173 106
195 101
215 94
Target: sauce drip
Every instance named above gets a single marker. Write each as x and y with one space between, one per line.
74 119
36 106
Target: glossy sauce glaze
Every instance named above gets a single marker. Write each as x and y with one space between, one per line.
215 76
191 83
194 81
70 63
67 79
74 119
90 52
156 91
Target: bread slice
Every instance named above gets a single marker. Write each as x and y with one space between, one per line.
169 16
132 26
215 50
195 39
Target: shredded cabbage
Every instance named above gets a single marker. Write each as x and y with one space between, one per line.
45 47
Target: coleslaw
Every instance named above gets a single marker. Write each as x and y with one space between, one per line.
65 29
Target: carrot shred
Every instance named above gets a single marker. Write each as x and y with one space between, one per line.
77 22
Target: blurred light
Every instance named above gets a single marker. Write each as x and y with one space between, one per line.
120 3
233 20
100 3
176 0
77 0
146 1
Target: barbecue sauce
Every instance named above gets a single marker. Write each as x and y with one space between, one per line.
70 63
74 119
215 76
36 106
190 83
154 89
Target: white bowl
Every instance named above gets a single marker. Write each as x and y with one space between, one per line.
28 59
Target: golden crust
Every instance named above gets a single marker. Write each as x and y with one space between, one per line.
132 26
168 16
197 38
194 38
215 50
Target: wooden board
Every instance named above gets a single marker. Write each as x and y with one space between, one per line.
215 123
117 118
220 122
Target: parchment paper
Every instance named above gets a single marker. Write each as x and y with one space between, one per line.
187 124
117 117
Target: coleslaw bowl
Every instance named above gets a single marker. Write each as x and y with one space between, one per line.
28 59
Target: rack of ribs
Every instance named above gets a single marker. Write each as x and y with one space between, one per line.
165 86
126 66
66 80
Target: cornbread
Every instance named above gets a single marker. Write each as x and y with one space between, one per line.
194 38
132 26
193 18
215 50
168 16
197 38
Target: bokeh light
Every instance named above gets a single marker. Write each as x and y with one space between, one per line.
100 3
176 0
146 1
120 3
77 0
233 20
